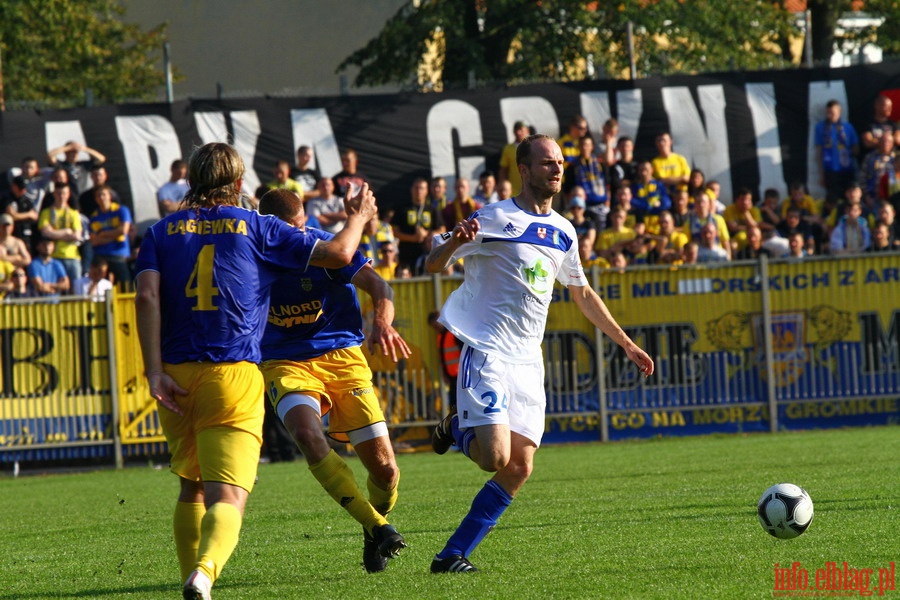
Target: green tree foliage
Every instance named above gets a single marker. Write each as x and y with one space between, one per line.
702 35
507 41
477 37
56 50
889 32
887 36
511 40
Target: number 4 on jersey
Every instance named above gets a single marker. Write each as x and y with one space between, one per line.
200 283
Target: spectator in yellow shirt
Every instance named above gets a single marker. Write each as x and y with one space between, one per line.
508 170
283 179
670 242
669 167
615 237
740 216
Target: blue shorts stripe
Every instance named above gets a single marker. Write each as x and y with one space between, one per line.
466 362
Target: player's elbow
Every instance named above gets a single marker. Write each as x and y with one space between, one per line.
333 254
373 284
142 303
381 291
145 298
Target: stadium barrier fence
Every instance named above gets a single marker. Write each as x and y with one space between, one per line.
739 347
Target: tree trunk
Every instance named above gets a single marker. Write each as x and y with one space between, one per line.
825 14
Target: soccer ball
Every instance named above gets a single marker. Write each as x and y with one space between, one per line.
785 510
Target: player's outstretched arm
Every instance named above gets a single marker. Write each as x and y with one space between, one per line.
383 332
593 307
440 256
338 251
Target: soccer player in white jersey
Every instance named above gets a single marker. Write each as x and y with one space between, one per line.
514 250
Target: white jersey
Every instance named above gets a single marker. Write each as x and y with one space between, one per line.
501 307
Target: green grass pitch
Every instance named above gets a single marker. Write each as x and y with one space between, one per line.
670 518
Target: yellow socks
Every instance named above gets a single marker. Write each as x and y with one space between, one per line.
219 532
382 500
337 478
186 524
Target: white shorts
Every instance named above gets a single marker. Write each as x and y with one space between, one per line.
491 391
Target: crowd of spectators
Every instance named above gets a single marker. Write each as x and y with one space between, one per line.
657 209
64 230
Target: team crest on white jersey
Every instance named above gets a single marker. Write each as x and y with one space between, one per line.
542 232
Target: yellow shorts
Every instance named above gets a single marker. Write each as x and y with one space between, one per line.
220 434
340 380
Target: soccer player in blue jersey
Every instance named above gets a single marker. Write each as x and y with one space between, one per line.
313 365
514 250
203 278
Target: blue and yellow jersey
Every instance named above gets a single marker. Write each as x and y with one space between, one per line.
216 266
694 224
650 198
111 219
314 312
369 244
570 148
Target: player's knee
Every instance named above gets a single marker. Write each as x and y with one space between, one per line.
215 492
493 460
519 471
386 475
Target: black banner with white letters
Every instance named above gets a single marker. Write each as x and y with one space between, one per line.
750 129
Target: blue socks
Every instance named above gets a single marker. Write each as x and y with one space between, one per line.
463 439
466 440
487 507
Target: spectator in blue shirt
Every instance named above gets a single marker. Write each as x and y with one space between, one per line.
47 274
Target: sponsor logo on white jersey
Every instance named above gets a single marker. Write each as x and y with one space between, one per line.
538 277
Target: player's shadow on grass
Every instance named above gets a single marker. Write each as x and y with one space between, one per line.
110 592
592 476
724 506
858 502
